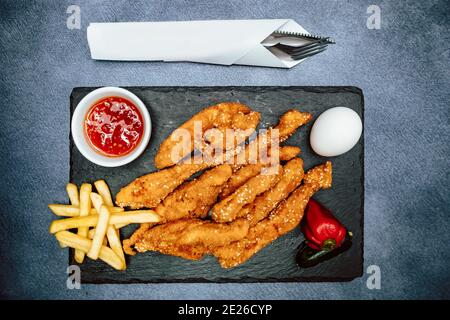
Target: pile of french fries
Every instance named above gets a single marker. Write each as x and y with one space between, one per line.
97 222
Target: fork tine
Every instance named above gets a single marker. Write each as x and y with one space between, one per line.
310 43
308 54
297 50
310 49
301 35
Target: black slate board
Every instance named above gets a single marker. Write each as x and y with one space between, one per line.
171 106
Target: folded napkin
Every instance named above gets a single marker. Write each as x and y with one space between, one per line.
225 42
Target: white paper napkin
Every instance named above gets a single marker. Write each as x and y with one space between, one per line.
225 42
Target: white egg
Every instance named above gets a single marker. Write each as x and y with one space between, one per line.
335 132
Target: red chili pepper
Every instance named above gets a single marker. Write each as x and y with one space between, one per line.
321 229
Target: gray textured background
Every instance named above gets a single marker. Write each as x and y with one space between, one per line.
403 70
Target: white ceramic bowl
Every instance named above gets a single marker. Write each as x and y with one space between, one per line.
79 136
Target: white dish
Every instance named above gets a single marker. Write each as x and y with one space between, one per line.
81 141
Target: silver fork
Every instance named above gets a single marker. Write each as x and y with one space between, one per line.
315 46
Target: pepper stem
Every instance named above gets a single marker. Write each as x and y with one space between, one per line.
329 244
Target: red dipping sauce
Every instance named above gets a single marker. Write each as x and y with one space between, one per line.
114 126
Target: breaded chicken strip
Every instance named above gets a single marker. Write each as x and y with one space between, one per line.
260 208
224 115
214 234
193 238
283 219
192 199
243 174
289 122
190 238
209 234
149 190
227 209
195 198
163 238
289 152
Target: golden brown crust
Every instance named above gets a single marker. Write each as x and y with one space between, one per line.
224 115
260 208
246 172
214 234
190 200
149 190
290 121
190 238
283 219
227 209
193 199
240 177
235 243
135 237
289 152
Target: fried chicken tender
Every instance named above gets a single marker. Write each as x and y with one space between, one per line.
227 209
234 243
243 174
289 122
163 238
149 190
260 208
283 219
224 115
193 199
289 152
190 238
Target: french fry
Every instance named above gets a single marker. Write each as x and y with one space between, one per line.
64 210
74 198
120 225
91 236
71 223
61 245
72 192
97 201
85 209
67 210
103 190
100 232
111 233
95 217
137 216
114 242
83 244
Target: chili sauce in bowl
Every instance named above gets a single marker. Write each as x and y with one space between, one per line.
111 126
114 126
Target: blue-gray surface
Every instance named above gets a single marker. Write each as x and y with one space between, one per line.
403 69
